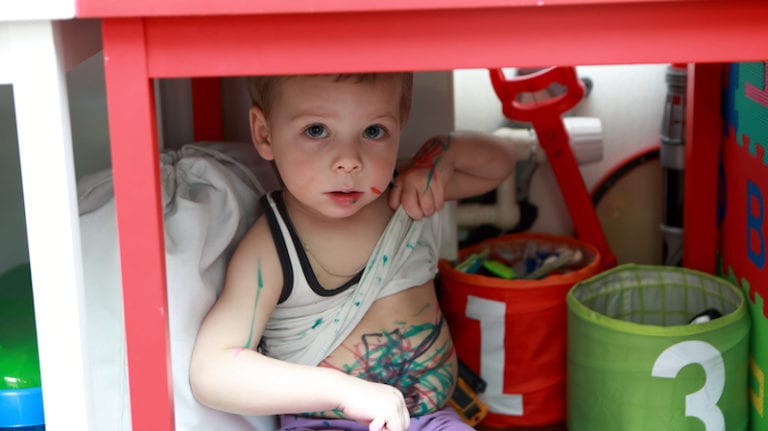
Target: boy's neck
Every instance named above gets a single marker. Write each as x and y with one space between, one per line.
339 240
301 215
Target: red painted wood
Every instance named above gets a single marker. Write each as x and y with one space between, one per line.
703 139
206 109
148 8
450 39
135 164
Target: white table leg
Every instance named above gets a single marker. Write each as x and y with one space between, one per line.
50 200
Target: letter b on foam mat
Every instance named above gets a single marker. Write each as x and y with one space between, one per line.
742 213
634 362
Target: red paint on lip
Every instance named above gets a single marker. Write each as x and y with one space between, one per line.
375 190
345 198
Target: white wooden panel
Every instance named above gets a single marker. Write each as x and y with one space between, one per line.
19 10
5 54
50 200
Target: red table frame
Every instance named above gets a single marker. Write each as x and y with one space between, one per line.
148 39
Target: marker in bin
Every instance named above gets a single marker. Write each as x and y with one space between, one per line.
480 263
499 269
553 262
473 262
535 264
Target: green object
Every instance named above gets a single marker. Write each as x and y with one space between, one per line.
473 262
758 361
499 269
19 363
634 362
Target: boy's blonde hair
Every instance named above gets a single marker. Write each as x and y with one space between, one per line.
262 89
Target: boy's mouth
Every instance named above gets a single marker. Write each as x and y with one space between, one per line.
345 197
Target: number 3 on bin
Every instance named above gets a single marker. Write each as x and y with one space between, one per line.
491 315
701 404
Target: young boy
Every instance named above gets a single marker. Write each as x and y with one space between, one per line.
329 315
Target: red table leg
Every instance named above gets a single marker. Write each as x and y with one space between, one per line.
703 138
135 163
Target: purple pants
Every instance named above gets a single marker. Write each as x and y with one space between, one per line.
445 419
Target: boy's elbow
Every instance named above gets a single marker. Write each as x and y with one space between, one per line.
200 381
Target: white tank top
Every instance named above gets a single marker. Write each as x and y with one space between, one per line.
310 321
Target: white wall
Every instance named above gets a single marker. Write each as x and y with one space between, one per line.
13 248
627 98
432 110
91 151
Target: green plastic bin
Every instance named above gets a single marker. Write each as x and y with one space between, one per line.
21 397
636 363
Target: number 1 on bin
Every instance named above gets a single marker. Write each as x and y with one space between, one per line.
491 315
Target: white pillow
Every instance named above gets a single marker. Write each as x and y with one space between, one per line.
210 198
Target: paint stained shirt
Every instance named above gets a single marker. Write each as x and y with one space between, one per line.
309 321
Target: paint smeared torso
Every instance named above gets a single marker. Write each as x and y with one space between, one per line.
404 342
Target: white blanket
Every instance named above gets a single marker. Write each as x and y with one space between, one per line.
210 200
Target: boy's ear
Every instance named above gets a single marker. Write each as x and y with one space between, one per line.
260 133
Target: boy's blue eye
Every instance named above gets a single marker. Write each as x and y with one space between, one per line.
374 132
316 131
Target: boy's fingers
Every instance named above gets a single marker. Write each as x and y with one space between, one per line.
377 424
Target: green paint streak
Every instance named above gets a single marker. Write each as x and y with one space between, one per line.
424 308
418 329
395 358
431 174
333 413
317 323
259 287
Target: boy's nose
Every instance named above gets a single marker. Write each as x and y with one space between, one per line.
347 164
348 159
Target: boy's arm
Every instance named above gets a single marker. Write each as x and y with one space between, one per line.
455 166
226 373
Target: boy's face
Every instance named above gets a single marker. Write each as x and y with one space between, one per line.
334 143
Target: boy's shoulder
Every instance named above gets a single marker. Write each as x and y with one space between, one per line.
257 241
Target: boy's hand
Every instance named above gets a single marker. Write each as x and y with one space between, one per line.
420 188
379 405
